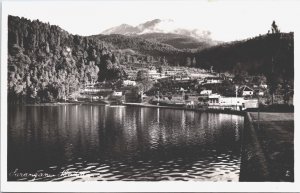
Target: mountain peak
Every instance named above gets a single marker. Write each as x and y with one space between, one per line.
157 26
124 29
166 31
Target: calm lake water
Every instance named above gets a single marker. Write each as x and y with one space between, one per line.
102 143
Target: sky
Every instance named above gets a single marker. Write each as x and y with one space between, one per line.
227 21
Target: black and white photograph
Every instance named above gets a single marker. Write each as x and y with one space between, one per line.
148 91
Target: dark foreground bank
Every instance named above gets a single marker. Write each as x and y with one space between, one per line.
268 147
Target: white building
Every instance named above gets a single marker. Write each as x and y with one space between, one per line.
129 83
263 86
251 104
117 93
182 78
213 80
173 72
214 100
232 102
217 101
206 92
195 75
153 74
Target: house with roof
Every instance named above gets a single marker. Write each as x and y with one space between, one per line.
246 91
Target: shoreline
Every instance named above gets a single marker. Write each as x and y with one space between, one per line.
62 104
232 112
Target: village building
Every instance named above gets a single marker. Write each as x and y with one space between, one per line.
259 92
206 92
251 104
236 103
217 101
184 77
117 93
214 100
213 80
173 72
195 75
190 104
153 74
263 86
129 83
246 91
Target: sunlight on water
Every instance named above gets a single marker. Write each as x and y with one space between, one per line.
96 143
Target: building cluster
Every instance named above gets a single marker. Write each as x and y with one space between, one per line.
245 96
243 100
154 73
216 101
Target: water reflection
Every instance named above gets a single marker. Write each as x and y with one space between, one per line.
122 143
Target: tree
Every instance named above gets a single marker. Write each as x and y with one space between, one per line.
115 59
164 61
194 62
273 83
188 62
128 58
186 97
142 75
134 59
274 28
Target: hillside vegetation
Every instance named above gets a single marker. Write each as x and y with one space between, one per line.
178 41
263 54
46 63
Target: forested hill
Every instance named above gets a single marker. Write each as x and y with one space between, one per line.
265 54
138 44
144 47
46 63
179 41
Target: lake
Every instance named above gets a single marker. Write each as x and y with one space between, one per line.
118 143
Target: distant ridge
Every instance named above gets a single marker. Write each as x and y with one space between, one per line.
164 31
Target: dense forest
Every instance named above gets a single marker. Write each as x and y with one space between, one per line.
270 55
142 46
179 41
46 63
263 54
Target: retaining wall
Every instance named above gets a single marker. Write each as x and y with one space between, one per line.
253 162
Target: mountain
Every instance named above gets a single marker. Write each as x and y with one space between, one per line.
179 41
123 29
167 32
137 43
144 47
